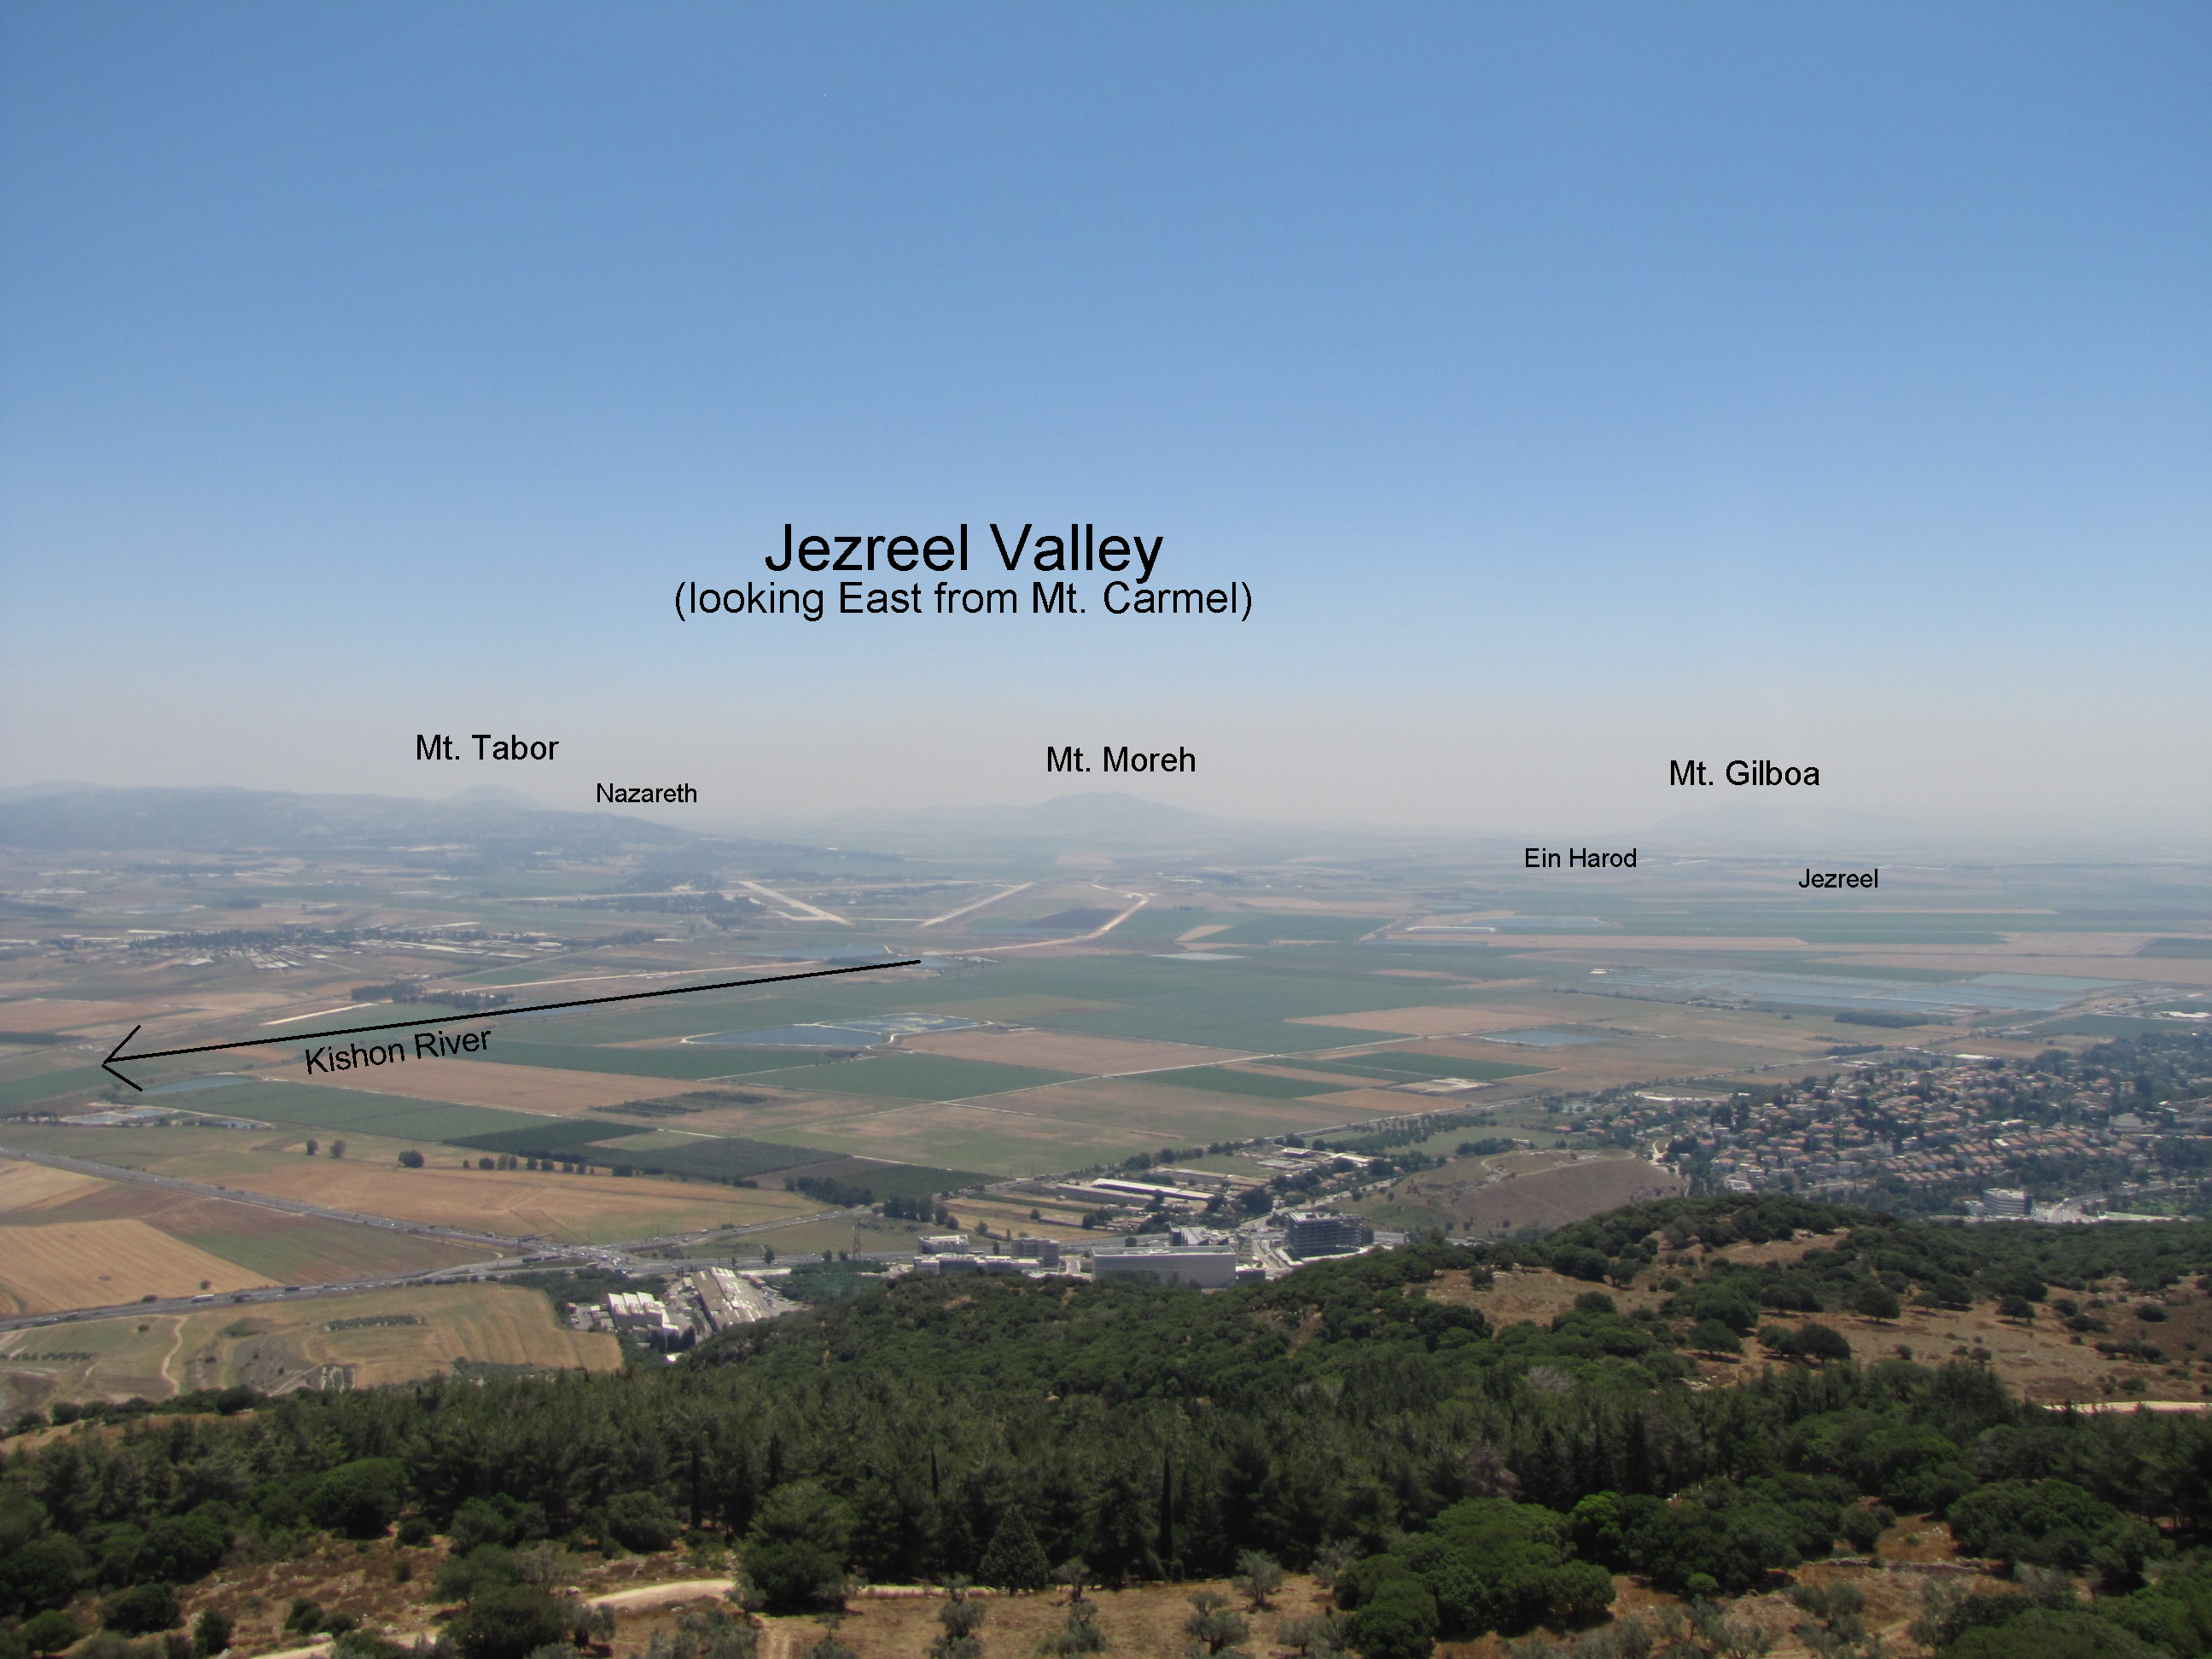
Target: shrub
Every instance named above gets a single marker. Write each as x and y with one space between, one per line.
545 1565
705 1634
791 1575
306 1617
1876 1300
142 1608
476 1524
639 1521
1082 1634
1710 1336
1213 1624
210 1633
50 1632
1258 1576
1817 1341
2053 1523
359 1499
1400 1622
2048 1633
1862 1529
43 1573
365 1644
1486 1564
510 1621
485 1567
182 1547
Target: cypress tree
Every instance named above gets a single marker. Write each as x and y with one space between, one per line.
1167 1514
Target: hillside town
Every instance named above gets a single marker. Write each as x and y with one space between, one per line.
2122 1129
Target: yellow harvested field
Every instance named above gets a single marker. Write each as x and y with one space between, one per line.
1061 1051
516 1088
495 1324
1425 1021
95 1359
34 1186
522 1202
278 1346
86 1264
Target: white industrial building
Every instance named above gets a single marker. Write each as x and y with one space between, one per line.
1209 1267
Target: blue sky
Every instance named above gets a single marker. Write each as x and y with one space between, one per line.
1574 386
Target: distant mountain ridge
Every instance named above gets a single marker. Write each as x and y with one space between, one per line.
90 816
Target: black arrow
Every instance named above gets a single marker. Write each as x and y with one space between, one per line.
108 1064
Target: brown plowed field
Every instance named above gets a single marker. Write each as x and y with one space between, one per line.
2156 970
516 1088
1545 1198
84 1264
1061 1051
40 1015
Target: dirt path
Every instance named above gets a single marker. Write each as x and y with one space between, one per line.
661 1596
176 1342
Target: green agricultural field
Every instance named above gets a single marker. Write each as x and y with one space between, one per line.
998 1143
727 1158
542 1139
1219 1079
17 1093
693 1064
1828 926
1228 1004
1158 926
313 1251
1261 929
912 1076
398 1116
812 1238
858 996
1397 1065
1181 1115
902 1179
2101 1025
